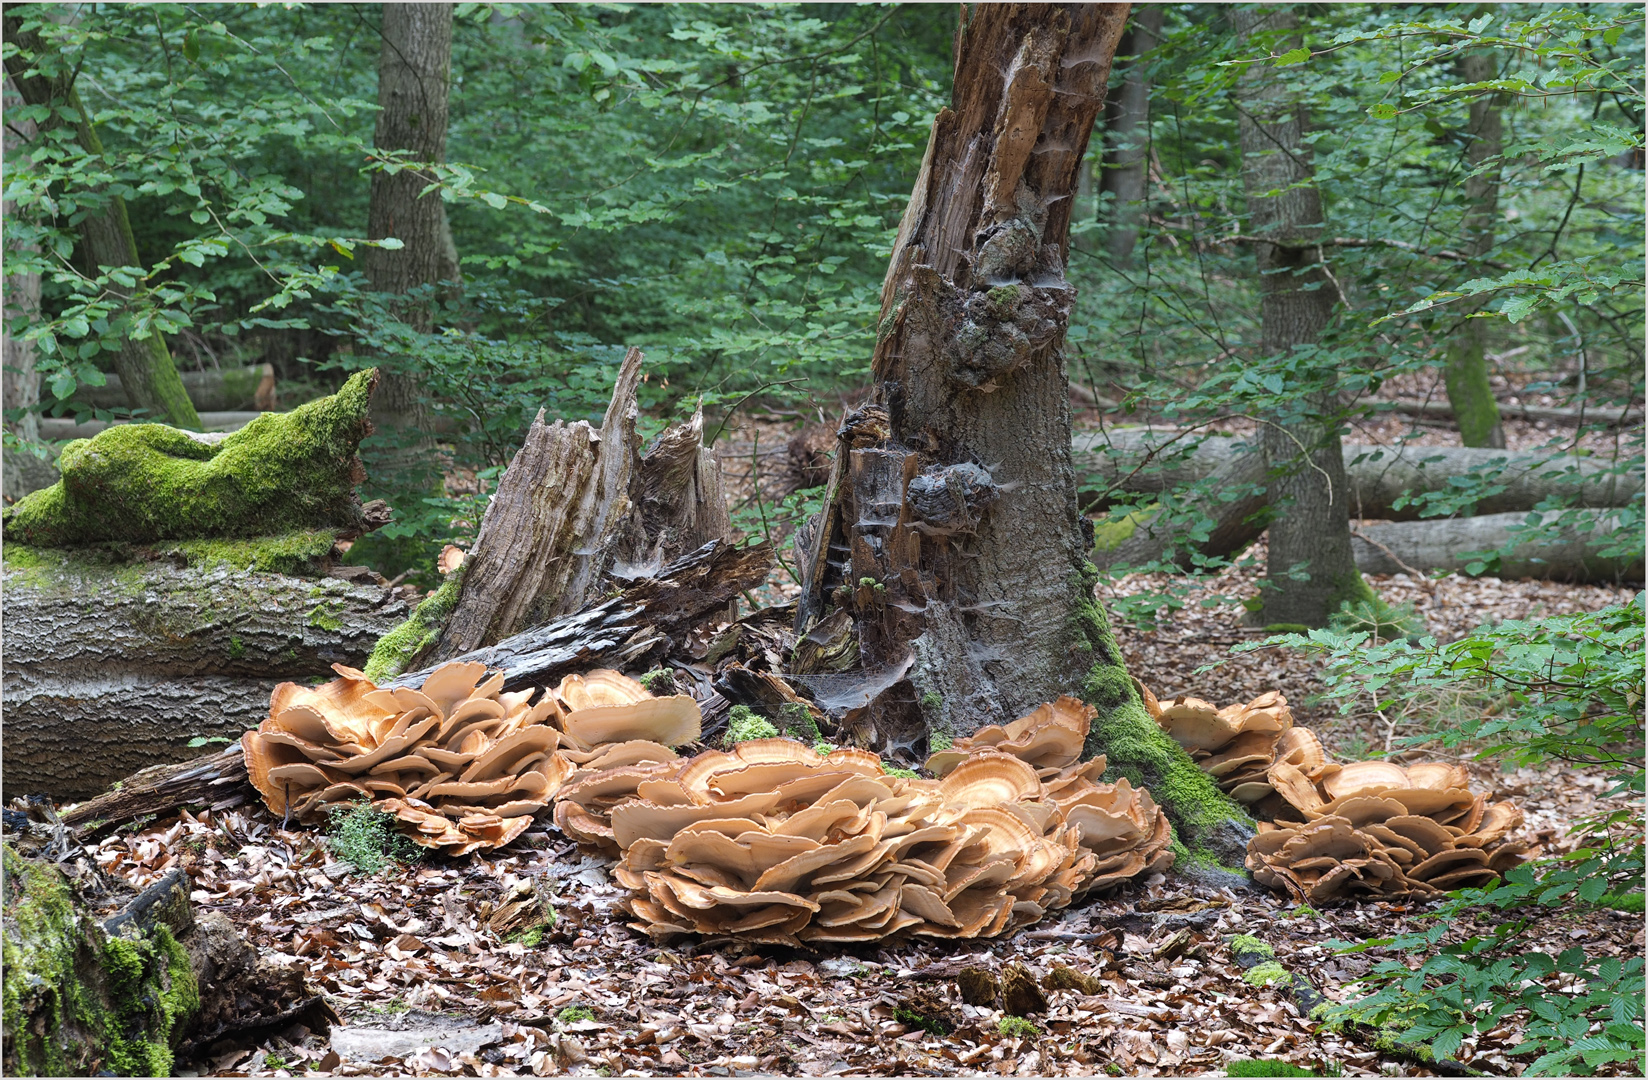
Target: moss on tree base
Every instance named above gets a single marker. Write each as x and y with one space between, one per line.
145 483
78 1002
1211 831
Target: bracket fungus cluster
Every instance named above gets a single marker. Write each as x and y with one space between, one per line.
461 765
775 842
1329 831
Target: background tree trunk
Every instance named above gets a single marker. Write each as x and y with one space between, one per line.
21 383
145 367
413 72
1466 374
1127 122
950 529
1303 457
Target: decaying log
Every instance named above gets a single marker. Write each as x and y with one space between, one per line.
214 782
110 668
1444 543
128 993
648 619
683 505
1153 460
222 390
1611 415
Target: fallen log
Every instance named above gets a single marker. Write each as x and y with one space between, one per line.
61 428
1153 460
166 654
1446 544
220 390
1611 415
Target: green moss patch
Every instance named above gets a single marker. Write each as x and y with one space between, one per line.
80 1003
396 651
1213 830
744 724
1269 973
145 483
1252 1067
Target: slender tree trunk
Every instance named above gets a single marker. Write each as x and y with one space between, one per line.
145 366
1304 460
1127 126
1467 365
950 531
413 72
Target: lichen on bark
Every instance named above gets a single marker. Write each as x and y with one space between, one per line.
144 483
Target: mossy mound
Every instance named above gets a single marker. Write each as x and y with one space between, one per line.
145 483
78 1002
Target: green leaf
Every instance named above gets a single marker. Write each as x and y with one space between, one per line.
1292 56
1383 111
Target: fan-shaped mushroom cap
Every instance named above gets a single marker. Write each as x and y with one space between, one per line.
1427 802
1448 861
1498 821
1248 748
597 689
1196 725
1438 775
1151 705
1424 832
1366 777
342 705
451 683
1331 836
669 720
633 820
1294 786
510 750
990 779
1300 747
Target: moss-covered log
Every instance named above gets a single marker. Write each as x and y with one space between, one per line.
143 483
80 999
114 666
1211 832
134 991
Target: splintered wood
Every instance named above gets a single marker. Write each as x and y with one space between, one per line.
1334 832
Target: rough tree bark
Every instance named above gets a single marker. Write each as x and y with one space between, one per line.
950 530
145 367
96 691
1126 127
413 72
1311 526
1466 374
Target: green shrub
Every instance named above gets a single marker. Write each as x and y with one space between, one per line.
365 838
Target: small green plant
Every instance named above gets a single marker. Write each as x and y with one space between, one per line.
365 838
939 740
658 681
1304 911
893 770
824 748
744 724
913 1019
1385 622
207 740
274 1061
1016 1027
931 700
574 1014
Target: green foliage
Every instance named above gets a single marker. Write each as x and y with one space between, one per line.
1563 688
744 724
912 1019
1380 620
1016 1027
365 838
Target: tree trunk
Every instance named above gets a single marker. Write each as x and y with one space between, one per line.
1310 531
1466 374
145 367
950 530
20 385
1127 127
413 72
94 692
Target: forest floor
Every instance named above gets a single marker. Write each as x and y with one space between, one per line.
426 988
